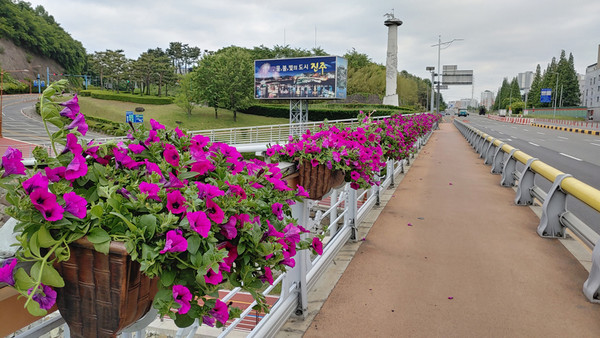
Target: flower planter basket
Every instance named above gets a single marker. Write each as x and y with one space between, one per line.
103 294
318 180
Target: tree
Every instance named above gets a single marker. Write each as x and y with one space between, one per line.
572 93
533 98
187 96
206 82
356 60
237 78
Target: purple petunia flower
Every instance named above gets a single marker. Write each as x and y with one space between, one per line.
36 181
45 202
199 222
272 231
6 271
228 229
55 174
277 209
75 204
152 138
46 297
354 175
179 132
202 166
72 145
183 297
77 168
237 190
12 162
174 182
317 245
175 242
301 192
79 123
212 277
268 276
136 148
220 312
150 189
155 125
215 213
171 155
176 202
208 191
291 233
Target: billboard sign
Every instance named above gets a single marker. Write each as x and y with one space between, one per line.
453 76
319 77
133 118
546 95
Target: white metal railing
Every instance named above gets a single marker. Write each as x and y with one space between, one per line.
556 217
345 211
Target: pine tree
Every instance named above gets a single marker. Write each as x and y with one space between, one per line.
533 98
572 94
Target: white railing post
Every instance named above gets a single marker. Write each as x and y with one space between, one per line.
390 171
350 217
334 213
297 274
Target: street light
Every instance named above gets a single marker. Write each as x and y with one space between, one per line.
439 46
555 92
431 70
2 91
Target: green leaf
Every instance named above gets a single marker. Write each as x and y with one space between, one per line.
51 277
45 238
22 280
97 211
187 175
34 245
149 223
193 244
183 320
34 309
167 278
98 235
102 247
131 226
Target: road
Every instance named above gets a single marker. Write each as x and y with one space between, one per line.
571 153
27 127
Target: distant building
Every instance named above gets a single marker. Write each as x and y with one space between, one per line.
487 99
591 89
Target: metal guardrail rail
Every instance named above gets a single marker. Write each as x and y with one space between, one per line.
345 212
556 217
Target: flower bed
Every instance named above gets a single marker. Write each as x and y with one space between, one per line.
193 213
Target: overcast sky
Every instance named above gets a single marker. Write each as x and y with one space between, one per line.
501 38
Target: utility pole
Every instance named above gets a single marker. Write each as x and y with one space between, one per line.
439 46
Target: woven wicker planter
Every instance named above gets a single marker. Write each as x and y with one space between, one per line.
318 180
103 294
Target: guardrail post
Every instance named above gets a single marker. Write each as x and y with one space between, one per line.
489 153
481 146
498 160
526 183
554 205
297 274
350 217
591 287
390 171
510 165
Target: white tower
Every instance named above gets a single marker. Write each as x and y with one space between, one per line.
391 64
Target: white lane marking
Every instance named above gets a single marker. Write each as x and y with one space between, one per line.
569 156
514 127
541 133
501 133
508 139
533 144
564 138
514 137
525 129
596 144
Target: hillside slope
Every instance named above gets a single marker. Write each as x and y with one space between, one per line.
13 57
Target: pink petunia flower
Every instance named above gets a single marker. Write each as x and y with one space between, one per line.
212 277
317 245
277 209
77 168
75 204
12 162
79 123
220 312
183 297
46 297
150 189
175 242
6 271
228 229
214 211
176 202
156 125
36 181
171 155
55 174
199 222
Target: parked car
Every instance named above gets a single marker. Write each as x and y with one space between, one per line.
463 112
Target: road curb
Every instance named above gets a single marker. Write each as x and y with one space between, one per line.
573 130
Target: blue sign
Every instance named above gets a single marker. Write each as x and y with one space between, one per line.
133 118
546 95
37 83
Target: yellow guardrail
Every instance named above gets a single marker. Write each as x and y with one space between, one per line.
578 189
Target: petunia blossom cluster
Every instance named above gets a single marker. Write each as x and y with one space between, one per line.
355 150
193 213
399 132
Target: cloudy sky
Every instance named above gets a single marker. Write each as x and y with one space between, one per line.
500 38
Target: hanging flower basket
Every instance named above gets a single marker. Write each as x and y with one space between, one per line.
318 180
103 294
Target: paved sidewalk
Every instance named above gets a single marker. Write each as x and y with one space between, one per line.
450 255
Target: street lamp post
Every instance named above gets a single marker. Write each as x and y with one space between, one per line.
555 92
431 70
439 46
2 91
